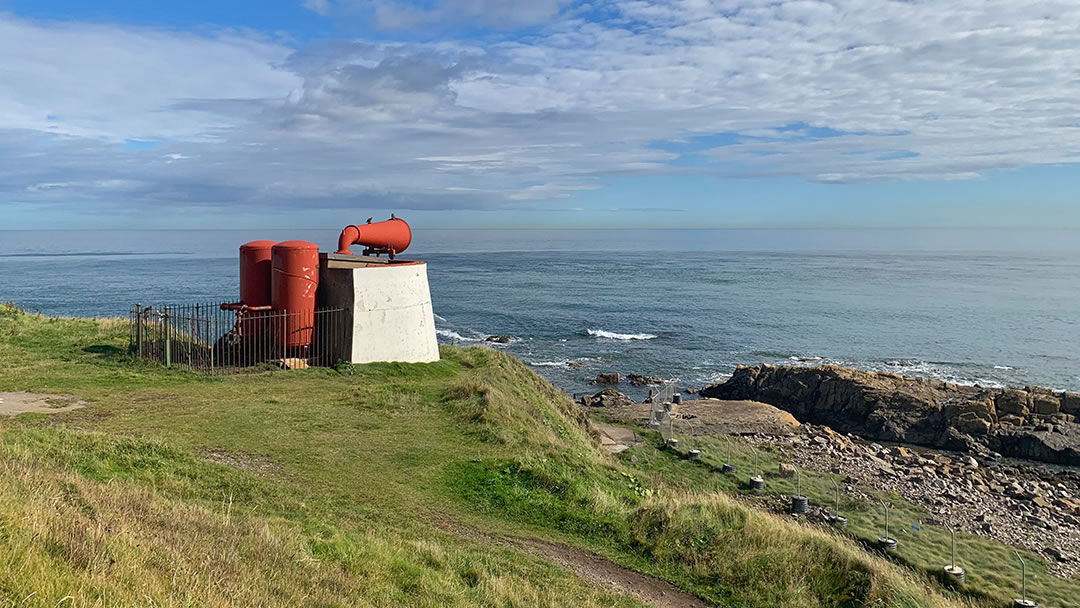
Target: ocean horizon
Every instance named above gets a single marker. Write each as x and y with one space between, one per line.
994 307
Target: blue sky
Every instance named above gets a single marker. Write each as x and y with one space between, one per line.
611 113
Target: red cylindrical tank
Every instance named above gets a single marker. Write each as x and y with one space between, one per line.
294 278
254 284
255 273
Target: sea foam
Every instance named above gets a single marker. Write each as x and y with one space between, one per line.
600 333
450 334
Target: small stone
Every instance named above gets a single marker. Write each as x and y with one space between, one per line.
1060 555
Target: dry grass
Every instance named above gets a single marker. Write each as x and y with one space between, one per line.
69 541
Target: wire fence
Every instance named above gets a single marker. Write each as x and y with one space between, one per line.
660 415
207 338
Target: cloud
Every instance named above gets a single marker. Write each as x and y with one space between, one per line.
501 14
320 7
838 91
115 82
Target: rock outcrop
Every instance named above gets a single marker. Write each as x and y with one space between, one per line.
643 380
1032 423
612 378
608 397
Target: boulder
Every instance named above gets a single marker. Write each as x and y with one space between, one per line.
608 397
1045 404
786 470
1061 447
1060 555
903 453
607 378
1012 401
1070 403
643 380
499 339
970 423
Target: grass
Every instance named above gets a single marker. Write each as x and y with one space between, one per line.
340 479
992 568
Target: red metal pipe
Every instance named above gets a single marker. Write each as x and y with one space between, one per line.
390 237
244 307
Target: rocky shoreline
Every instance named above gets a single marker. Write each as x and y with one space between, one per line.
962 471
1013 503
1033 423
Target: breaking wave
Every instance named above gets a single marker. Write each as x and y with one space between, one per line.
450 334
600 333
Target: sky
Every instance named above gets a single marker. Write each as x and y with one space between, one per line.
539 113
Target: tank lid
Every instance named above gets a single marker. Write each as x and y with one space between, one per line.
258 245
296 245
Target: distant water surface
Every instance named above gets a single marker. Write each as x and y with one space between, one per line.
993 307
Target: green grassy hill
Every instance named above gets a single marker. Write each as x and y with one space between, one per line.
376 485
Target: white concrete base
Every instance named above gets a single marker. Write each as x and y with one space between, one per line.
392 319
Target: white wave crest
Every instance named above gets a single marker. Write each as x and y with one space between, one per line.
937 371
450 334
579 362
600 333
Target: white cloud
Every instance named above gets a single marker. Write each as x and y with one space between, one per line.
321 7
503 14
121 83
839 91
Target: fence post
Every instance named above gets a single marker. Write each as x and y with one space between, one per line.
138 330
168 339
210 340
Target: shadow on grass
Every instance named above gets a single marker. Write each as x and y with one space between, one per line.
105 351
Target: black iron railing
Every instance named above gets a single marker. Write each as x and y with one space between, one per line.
203 337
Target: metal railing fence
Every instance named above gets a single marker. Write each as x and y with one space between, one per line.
660 414
203 337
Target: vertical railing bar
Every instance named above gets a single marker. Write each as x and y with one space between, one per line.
168 340
138 328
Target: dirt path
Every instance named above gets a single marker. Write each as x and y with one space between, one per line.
599 572
12 404
594 569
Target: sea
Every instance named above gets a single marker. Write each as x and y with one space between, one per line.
992 307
